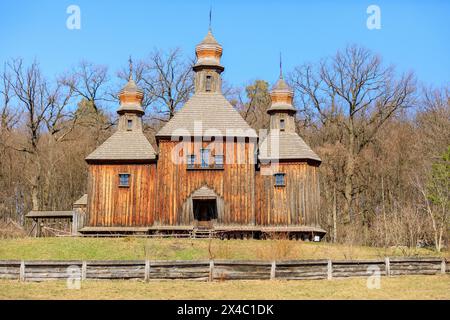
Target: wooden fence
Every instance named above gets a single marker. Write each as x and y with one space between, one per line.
219 269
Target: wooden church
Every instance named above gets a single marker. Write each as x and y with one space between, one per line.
210 173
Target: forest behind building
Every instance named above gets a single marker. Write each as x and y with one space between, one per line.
383 137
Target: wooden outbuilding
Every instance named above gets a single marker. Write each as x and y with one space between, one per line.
59 223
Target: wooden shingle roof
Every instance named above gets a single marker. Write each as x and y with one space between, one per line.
281 85
285 146
209 39
124 145
211 115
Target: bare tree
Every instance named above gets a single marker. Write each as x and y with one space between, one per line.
436 197
167 80
8 115
435 118
88 81
354 91
255 104
45 110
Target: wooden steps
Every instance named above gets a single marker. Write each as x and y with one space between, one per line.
198 233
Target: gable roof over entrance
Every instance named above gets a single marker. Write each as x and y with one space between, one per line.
204 193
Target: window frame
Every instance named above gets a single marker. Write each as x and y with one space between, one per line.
191 161
127 175
129 124
277 175
218 165
282 124
202 153
208 83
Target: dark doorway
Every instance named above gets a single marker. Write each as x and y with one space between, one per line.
205 210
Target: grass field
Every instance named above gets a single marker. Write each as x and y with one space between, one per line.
406 287
186 249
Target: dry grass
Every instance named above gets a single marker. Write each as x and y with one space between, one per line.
11 230
406 287
185 249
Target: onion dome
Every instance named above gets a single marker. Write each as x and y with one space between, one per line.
131 97
281 96
208 52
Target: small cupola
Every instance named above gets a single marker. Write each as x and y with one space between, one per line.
208 68
131 96
130 110
128 143
281 95
208 52
281 110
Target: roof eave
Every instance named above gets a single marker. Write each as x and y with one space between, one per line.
120 161
287 159
170 137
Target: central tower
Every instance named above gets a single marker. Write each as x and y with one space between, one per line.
208 67
212 182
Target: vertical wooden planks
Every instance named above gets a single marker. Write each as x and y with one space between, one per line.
111 205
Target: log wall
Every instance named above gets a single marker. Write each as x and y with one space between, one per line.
219 270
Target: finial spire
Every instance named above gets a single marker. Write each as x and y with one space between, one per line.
210 17
130 62
281 67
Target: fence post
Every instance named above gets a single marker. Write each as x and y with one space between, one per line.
211 270
22 271
329 269
272 270
443 266
147 270
387 266
83 270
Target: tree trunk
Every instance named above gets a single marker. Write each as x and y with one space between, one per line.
35 182
384 213
35 194
334 215
349 172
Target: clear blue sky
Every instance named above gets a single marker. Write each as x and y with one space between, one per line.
415 35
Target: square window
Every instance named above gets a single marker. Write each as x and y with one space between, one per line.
124 179
219 160
190 161
279 179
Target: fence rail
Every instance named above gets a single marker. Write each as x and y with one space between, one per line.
209 270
